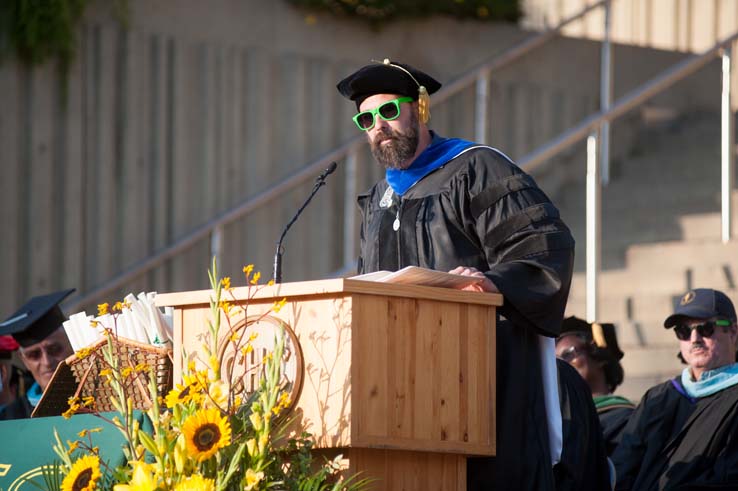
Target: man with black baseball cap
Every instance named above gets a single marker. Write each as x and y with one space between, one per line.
683 433
453 205
37 327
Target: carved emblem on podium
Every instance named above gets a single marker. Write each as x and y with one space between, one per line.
245 368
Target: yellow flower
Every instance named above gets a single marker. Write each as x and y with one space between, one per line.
84 352
74 406
196 483
226 307
142 480
270 282
73 445
126 372
217 395
106 372
205 433
251 447
248 269
252 479
278 305
256 277
256 421
181 394
118 306
83 475
226 282
102 309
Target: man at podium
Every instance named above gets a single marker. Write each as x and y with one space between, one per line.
453 205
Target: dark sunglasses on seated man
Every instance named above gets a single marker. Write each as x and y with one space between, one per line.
388 111
704 329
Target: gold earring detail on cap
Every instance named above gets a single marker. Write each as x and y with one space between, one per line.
423 105
423 97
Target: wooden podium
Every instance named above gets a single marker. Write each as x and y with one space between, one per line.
399 379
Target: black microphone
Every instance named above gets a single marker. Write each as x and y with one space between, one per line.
319 181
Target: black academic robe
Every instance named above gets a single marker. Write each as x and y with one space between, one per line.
613 421
20 408
672 442
583 464
481 210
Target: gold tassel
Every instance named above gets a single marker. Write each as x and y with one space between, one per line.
598 335
423 105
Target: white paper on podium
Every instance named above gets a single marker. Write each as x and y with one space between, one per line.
415 275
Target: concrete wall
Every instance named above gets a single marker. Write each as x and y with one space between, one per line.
681 25
198 106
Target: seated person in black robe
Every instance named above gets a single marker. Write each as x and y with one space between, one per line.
593 350
452 205
37 327
583 462
11 377
684 433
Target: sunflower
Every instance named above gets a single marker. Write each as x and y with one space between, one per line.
205 432
196 483
83 475
184 393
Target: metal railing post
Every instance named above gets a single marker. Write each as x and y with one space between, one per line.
593 245
605 95
482 108
216 242
727 147
349 209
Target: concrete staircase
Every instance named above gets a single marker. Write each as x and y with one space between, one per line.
661 236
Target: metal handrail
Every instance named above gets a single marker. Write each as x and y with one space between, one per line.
470 77
629 101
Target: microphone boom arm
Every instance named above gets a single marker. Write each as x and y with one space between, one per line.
319 182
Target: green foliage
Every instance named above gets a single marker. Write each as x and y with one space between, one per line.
378 11
36 31
39 30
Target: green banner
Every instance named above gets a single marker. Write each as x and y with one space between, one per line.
26 445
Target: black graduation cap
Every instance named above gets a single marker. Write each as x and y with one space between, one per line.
37 319
387 77
601 334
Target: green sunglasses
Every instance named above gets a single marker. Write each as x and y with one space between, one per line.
388 111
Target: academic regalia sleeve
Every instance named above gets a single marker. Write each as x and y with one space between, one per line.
613 422
528 247
583 462
631 451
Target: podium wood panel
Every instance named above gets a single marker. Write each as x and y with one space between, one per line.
400 376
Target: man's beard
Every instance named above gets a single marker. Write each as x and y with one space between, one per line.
401 147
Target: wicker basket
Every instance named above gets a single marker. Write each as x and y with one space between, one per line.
80 377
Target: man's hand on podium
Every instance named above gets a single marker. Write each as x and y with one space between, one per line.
485 285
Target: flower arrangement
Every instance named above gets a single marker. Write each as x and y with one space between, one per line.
208 433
